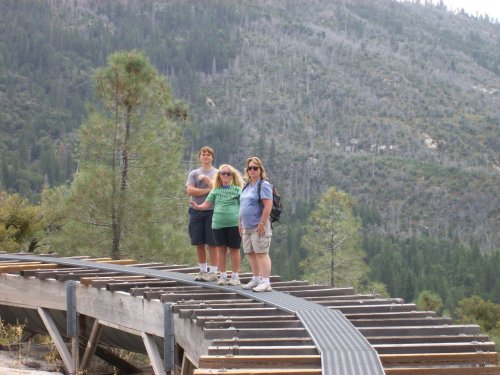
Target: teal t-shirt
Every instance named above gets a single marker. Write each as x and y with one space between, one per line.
226 203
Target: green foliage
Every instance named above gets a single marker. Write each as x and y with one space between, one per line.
486 314
127 195
19 223
333 241
429 301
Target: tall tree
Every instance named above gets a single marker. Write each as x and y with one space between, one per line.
125 199
333 242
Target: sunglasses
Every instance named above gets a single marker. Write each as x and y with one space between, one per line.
252 168
226 174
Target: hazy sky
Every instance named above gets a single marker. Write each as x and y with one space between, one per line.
489 7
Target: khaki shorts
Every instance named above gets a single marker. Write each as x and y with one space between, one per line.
253 243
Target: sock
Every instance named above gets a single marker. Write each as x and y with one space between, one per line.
203 267
265 280
213 269
256 278
223 275
235 276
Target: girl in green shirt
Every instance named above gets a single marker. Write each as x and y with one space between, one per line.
224 198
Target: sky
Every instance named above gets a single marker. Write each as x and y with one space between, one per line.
481 7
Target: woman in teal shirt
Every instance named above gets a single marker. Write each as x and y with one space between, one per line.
225 200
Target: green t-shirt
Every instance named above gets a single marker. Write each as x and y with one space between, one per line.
226 203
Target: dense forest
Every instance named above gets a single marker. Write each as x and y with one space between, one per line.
394 103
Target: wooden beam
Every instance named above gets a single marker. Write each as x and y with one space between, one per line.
58 340
18 267
444 371
265 371
260 361
427 359
91 346
154 354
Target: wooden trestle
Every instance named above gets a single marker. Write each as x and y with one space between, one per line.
194 328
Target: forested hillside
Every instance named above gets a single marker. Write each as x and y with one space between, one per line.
395 103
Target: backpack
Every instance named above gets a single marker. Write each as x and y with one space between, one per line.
277 206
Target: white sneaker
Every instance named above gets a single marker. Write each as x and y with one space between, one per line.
222 281
234 282
199 276
209 276
263 287
252 284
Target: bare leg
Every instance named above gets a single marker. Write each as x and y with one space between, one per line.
202 253
235 260
254 265
264 264
212 252
221 256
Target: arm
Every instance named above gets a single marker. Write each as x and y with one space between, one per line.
268 205
193 191
204 206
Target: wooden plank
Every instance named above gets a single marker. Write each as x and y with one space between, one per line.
154 354
221 305
117 261
444 371
428 321
263 350
260 361
193 313
174 297
255 333
262 324
19 267
266 371
201 320
469 329
277 341
376 340
439 359
101 281
461 347
126 285
77 275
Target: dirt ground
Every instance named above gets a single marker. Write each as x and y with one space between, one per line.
12 363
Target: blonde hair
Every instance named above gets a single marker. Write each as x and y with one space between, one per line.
236 178
257 161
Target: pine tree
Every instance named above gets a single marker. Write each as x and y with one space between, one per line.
127 196
333 242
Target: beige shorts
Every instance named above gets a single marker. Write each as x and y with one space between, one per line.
253 243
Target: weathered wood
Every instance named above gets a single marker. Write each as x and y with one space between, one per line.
374 340
255 333
263 350
261 324
101 281
127 285
429 359
427 321
174 297
266 371
221 305
260 361
19 267
453 347
277 341
444 371
77 275
467 329
193 313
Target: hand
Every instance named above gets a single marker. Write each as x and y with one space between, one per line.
193 204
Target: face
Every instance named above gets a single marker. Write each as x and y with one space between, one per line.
206 157
225 176
253 169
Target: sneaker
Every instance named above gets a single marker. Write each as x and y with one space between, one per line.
199 276
209 276
222 281
252 284
263 287
234 282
